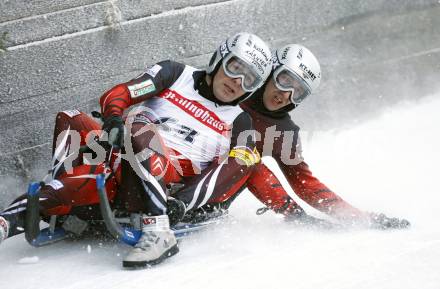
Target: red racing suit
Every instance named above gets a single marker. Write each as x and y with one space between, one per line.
265 185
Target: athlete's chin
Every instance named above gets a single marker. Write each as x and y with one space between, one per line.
270 106
226 97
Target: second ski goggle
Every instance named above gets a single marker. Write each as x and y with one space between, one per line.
235 67
287 80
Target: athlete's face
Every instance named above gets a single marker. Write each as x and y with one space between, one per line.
225 88
274 98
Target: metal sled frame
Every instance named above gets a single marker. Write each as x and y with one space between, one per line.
128 235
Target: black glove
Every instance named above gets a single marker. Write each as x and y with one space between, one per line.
114 126
176 210
382 222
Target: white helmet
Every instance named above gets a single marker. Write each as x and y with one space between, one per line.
246 56
296 69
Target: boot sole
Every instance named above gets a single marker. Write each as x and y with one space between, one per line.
142 264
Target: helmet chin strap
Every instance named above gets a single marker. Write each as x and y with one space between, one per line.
205 89
214 72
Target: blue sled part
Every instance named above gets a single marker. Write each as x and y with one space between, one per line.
180 231
183 230
33 189
100 181
131 236
46 237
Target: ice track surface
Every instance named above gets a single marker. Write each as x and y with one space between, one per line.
389 164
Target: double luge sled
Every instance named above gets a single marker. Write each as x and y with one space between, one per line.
119 228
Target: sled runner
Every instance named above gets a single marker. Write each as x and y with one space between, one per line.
119 228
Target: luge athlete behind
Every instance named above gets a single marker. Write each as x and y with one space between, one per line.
296 73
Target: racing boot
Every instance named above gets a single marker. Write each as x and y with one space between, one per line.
156 243
4 229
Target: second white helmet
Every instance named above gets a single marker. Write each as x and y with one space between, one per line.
295 68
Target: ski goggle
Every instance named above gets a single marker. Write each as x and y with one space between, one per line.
236 67
287 80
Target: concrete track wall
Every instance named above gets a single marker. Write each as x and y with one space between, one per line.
65 54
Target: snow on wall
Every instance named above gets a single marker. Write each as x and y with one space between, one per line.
65 54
